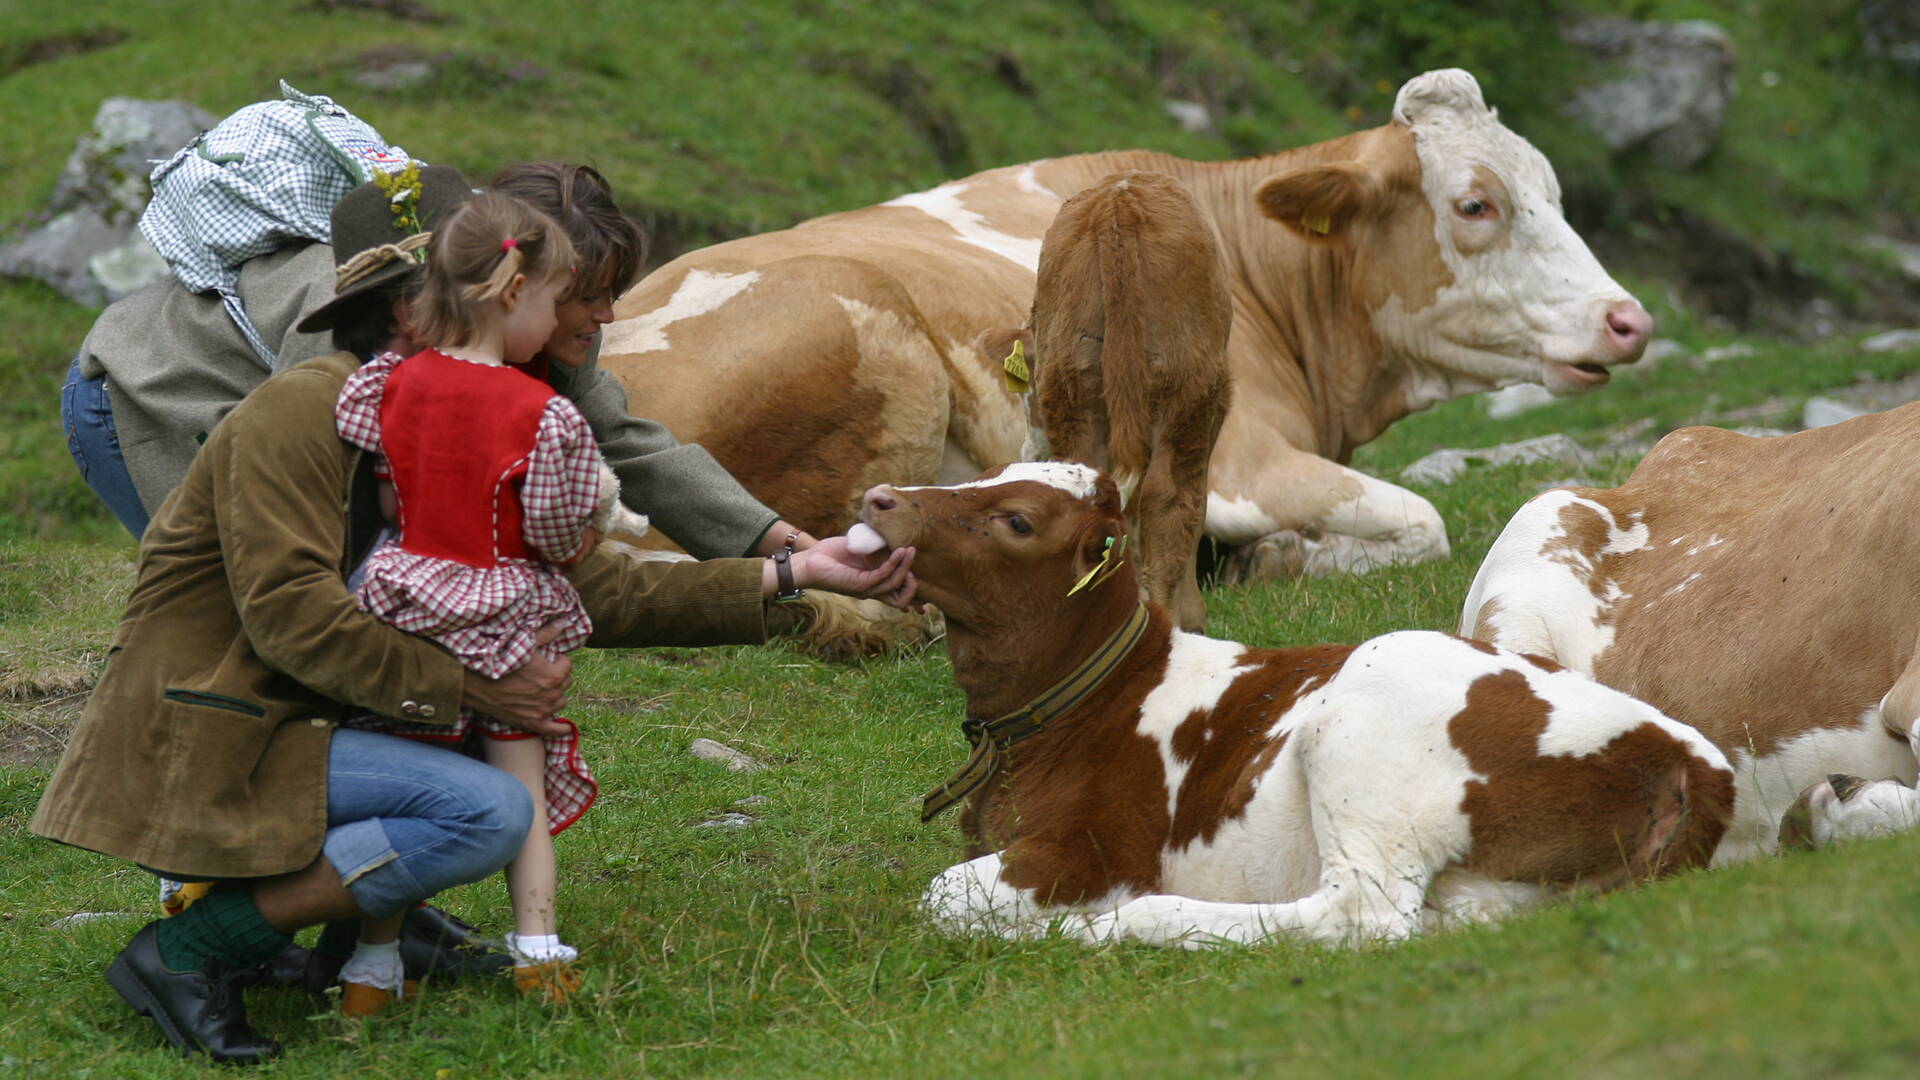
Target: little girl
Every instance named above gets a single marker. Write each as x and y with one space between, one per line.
494 482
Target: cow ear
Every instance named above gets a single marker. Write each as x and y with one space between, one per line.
1320 202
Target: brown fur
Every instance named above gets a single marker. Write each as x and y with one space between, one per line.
1803 616
1640 807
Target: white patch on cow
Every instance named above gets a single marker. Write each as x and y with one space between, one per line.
699 292
1766 786
1536 296
1027 182
1383 525
1586 716
1199 670
1238 520
1539 582
1076 480
1713 541
943 204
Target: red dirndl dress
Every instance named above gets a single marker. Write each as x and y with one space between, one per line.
497 477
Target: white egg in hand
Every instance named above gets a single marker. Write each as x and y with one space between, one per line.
863 540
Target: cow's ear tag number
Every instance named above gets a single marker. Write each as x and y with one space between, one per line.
1019 376
1110 561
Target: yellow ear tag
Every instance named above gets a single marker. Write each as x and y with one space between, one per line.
1019 377
1319 223
1109 562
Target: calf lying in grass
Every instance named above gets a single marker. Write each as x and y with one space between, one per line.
1129 780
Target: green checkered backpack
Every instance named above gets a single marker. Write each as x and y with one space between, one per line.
265 176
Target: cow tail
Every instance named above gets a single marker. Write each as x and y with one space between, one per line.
1126 374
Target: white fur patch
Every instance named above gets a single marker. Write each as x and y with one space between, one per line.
699 293
1027 183
1237 521
1078 481
943 204
1540 585
1199 670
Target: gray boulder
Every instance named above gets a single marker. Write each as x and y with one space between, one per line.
1668 91
1891 28
90 249
1445 466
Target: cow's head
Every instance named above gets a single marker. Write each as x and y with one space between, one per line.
1002 552
1462 257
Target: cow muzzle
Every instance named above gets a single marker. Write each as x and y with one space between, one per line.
886 511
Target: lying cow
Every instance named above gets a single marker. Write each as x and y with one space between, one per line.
1153 784
1370 276
1762 591
1126 354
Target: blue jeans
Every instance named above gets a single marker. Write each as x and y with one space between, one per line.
87 414
407 819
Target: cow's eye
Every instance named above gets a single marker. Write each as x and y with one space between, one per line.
1473 209
1019 524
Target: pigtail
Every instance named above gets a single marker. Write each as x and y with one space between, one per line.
509 263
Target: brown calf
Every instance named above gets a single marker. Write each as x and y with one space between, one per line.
1127 350
1142 782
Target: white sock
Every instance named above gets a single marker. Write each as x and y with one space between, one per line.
539 948
375 965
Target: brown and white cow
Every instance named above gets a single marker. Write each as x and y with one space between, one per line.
1764 591
1126 350
1371 276
1131 780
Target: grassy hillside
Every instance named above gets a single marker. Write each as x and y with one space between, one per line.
791 947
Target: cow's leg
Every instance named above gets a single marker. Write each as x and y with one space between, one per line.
1171 512
1353 904
971 898
1848 807
1304 514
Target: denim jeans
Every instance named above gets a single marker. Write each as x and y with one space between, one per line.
87 414
407 819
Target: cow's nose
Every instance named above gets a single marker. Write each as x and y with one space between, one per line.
1628 329
879 499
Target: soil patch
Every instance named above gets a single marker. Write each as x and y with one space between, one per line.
24 54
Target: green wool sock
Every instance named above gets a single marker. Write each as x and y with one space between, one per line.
225 924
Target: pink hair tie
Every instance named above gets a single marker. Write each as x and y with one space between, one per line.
509 244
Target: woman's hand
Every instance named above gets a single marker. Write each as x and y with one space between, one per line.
829 565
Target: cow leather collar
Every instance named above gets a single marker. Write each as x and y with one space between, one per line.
991 738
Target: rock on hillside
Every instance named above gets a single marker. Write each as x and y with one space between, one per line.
90 248
1671 89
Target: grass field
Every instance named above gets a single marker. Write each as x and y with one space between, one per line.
792 947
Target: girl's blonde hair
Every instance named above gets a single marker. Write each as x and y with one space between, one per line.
474 255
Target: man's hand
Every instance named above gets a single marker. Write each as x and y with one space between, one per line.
829 565
527 697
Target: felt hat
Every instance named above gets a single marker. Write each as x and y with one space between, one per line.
374 247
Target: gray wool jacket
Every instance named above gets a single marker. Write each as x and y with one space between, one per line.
175 365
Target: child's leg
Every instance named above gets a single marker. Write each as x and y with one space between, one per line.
532 873
373 976
542 962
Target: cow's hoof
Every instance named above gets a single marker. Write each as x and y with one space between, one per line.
1796 825
1273 557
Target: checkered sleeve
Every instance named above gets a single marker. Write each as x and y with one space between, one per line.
357 414
562 485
